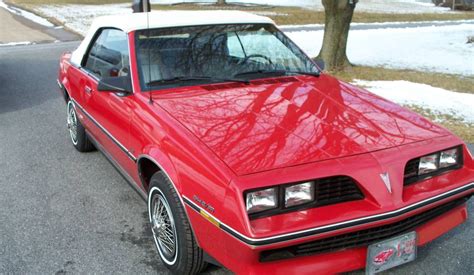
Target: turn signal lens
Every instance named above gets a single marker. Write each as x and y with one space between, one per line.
449 158
261 200
428 164
299 194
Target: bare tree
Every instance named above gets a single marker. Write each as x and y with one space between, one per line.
336 30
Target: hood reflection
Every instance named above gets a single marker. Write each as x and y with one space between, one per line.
261 127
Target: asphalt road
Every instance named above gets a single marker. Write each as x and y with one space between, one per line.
66 212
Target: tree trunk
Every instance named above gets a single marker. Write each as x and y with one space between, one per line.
221 2
336 30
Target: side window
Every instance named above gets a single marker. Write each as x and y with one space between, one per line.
234 45
109 56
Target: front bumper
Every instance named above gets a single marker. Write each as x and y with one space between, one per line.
355 258
243 255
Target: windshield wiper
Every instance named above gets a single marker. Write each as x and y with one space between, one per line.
194 78
276 72
304 73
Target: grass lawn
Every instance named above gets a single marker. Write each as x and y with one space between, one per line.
455 83
463 130
281 15
296 15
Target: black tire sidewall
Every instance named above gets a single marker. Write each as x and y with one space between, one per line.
159 183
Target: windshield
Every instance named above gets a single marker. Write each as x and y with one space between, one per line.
183 56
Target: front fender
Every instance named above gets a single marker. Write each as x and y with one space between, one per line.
163 162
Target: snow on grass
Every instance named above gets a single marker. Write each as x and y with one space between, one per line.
80 17
436 48
28 15
439 101
374 25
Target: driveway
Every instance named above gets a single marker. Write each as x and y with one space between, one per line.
15 29
66 212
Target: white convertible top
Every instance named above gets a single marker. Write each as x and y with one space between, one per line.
164 19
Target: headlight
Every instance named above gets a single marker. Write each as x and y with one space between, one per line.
428 164
261 200
449 158
299 194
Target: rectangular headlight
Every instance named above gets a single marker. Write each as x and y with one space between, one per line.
261 200
299 194
428 164
449 158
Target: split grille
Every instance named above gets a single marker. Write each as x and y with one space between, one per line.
411 171
359 238
336 189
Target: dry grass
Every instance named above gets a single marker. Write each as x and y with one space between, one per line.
296 15
463 130
446 81
281 15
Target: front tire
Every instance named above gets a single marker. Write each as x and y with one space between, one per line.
77 132
172 233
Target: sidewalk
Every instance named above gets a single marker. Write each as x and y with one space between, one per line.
12 30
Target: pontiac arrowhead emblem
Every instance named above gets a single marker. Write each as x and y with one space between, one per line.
386 179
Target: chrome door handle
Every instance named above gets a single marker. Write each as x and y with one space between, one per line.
88 89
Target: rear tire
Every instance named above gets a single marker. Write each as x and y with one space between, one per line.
77 132
172 233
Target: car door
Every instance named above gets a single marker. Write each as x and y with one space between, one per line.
109 112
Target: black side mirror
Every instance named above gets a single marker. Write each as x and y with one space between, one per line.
320 63
118 84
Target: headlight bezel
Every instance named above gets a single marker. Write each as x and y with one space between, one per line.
280 206
314 203
276 195
411 179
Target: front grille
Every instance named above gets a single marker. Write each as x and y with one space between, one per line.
359 238
411 171
327 191
336 189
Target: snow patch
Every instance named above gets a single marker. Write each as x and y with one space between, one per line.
374 25
81 21
28 15
436 48
16 43
439 101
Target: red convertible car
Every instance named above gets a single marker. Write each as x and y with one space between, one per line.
252 158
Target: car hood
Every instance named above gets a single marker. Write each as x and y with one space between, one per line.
289 121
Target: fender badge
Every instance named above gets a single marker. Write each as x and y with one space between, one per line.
204 204
386 179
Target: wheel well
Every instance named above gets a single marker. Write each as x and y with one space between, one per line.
146 169
65 94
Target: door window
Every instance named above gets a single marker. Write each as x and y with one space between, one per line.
109 56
